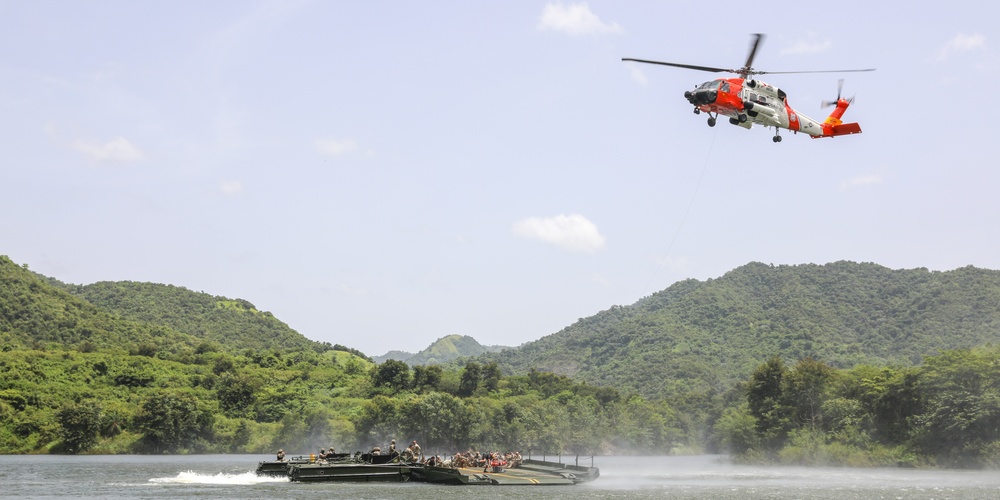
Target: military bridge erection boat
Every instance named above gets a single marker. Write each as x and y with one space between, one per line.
367 467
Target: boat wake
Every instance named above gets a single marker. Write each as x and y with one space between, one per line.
190 477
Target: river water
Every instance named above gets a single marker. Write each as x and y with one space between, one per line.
231 476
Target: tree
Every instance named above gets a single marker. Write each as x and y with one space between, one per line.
889 397
548 383
764 401
586 425
427 378
378 421
736 429
171 421
471 376
79 425
805 389
961 425
440 419
393 375
491 376
237 395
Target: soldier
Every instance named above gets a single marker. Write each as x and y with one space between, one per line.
281 455
416 449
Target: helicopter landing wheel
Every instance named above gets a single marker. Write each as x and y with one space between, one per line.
711 121
697 111
742 118
776 138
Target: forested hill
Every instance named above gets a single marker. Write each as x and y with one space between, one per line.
34 312
134 317
233 323
700 336
443 350
451 347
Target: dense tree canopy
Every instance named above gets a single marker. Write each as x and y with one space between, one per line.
945 412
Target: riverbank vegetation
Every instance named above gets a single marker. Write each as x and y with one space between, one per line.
944 412
61 401
749 364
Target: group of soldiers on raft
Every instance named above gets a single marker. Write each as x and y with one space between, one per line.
412 454
473 459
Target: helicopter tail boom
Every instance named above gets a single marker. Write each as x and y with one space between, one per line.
834 126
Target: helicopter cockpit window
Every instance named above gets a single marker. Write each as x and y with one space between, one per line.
724 87
712 85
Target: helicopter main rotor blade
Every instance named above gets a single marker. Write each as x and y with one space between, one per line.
757 38
814 71
678 65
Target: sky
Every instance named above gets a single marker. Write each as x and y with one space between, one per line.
382 174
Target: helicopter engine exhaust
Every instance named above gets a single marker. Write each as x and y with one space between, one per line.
748 106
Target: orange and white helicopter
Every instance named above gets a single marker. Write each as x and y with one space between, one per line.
746 100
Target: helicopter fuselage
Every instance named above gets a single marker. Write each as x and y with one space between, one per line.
757 102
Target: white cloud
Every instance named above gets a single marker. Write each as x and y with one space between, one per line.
336 147
115 150
231 188
807 47
571 232
861 180
576 19
960 43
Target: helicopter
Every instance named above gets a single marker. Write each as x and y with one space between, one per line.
746 100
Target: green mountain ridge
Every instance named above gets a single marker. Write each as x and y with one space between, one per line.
703 336
234 323
135 316
693 336
33 312
441 351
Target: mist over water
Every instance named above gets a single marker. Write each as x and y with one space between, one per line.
714 477
231 476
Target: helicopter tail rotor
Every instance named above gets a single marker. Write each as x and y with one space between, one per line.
840 87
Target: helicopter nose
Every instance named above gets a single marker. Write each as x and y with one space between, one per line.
700 96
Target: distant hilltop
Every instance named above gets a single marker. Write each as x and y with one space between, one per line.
442 351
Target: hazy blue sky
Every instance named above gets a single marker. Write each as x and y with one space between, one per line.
381 174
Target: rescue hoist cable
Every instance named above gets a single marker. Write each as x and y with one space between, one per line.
697 188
